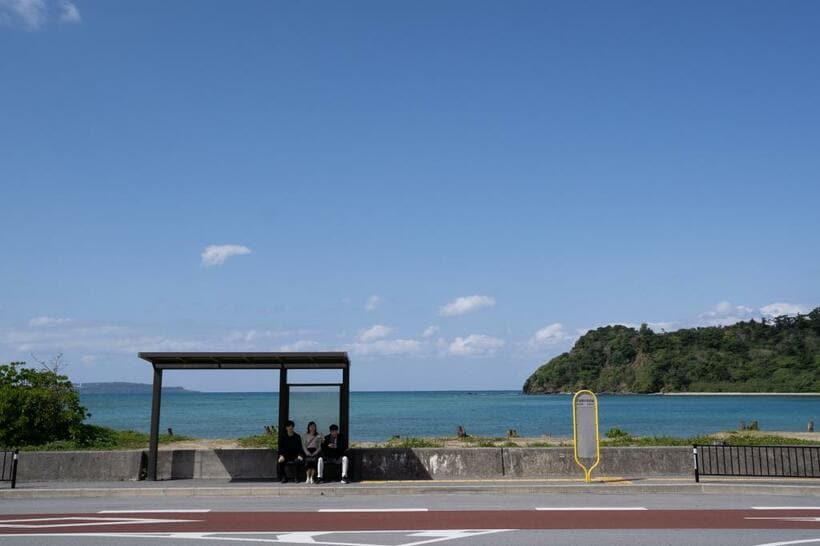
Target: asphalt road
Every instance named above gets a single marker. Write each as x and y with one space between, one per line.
422 519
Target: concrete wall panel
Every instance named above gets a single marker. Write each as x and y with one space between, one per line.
366 464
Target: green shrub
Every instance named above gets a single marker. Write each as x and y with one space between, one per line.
616 433
37 407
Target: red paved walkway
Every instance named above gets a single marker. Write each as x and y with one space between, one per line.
359 521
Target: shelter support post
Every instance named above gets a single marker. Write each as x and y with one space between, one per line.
284 401
153 443
344 403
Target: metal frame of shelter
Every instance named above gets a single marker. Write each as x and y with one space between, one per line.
248 361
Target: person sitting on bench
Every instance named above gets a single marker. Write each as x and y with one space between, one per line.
290 451
333 451
312 445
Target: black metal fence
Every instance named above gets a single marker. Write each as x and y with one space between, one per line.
8 467
763 461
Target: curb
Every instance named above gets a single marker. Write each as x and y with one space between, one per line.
415 489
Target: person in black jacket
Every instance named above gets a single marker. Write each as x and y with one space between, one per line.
290 450
333 451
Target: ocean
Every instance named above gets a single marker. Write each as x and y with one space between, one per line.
376 416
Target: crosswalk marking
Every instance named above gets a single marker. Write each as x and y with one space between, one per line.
587 508
183 511
81 521
373 510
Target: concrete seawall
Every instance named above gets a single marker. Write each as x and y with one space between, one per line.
366 464
38 466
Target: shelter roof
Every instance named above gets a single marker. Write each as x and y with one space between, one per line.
247 361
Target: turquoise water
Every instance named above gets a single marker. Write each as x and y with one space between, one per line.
376 416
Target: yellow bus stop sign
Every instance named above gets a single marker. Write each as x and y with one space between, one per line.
585 432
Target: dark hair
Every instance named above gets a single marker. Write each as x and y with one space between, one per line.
290 424
308 427
334 427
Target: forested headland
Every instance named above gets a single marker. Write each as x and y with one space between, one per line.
776 355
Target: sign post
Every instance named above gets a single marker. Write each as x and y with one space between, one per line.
585 431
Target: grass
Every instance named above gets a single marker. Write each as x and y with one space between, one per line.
484 441
619 438
745 439
270 441
398 441
97 438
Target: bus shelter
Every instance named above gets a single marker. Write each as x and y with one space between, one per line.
251 361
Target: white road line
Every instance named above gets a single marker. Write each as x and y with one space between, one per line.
84 521
785 507
805 541
183 511
601 508
792 518
373 510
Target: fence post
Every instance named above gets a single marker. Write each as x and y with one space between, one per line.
14 469
695 456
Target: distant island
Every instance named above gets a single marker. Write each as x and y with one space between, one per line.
123 388
777 355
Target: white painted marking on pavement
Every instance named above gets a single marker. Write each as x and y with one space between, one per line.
373 510
785 507
39 523
449 535
796 518
601 508
299 538
804 541
279 538
184 511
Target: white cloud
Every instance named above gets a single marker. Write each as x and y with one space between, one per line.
31 13
780 309
377 331
388 347
300 345
94 340
47 321
475 345
466 304
430 331
69 12
373 302
217 254
725 313
252 335
247 335
549 335
659 327
34 14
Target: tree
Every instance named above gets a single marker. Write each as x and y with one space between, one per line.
37 406
779 355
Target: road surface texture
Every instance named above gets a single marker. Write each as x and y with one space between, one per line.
414 520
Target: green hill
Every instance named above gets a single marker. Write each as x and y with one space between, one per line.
119 387
778 355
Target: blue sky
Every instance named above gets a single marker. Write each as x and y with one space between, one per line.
450 191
